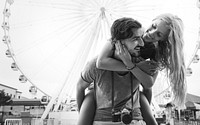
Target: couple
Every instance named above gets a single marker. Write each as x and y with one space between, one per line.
122 66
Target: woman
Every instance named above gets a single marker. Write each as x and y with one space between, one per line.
165 40
166 33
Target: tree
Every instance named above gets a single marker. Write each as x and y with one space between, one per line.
4 99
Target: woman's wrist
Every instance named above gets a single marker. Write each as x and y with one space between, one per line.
131 67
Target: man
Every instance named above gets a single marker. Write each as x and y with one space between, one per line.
116 92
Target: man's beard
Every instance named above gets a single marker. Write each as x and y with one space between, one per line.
135 54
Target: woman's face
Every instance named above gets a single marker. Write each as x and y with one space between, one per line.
158 30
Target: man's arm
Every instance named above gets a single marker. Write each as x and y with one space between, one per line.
80 91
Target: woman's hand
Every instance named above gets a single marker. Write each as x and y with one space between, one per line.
123 54
148 66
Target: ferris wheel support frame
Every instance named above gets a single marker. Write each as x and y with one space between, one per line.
6 27
198 40
61 95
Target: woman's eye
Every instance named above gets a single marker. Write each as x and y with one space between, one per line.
159 35
154 26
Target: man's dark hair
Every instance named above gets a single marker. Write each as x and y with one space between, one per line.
122 28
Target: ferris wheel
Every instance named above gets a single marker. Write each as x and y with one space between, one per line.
49 41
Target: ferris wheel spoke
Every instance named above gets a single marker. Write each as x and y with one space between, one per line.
108 3
69 7
96 3
84 28
70 14
56 52
115 14
78 63
115 3
54 33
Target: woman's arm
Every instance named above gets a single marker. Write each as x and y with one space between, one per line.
106 61
142 71
146 73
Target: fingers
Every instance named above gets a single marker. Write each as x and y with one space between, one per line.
116 47
153 71
141 59
151 62
119 47
125 50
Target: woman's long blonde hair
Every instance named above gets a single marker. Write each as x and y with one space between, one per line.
171 56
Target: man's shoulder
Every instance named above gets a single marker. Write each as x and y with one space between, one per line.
91 65
92 62
90 72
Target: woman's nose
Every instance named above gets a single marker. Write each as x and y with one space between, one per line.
152 32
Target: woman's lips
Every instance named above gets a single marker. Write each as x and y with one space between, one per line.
137 48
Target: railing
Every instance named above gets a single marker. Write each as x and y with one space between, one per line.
195 122
36 121
13 122
160 121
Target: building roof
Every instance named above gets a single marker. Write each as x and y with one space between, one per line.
18 91
10 88
7 86
26 102
192 105
192 98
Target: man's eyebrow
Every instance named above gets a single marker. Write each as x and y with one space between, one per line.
137 37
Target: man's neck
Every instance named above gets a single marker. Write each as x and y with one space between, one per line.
122 73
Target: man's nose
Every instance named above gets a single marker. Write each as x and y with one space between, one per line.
140 42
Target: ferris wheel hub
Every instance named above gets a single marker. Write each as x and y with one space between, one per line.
102 12
103 9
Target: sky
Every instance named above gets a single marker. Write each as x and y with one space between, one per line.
33 28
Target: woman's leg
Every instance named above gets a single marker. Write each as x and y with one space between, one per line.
87 111
146 111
